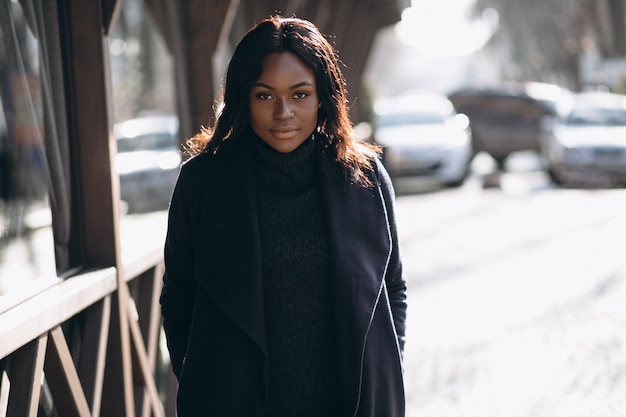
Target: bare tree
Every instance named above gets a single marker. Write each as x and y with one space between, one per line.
543 39
618 28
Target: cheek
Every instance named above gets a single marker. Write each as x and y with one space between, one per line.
257 113
314 115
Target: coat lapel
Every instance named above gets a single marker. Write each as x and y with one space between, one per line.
360 243
360 240
232 265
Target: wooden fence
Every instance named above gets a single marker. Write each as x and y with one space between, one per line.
88 346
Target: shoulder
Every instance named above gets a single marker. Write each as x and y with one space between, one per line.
381 171
380 177
199 174
198 163
213 164
208 171
377 173
195 169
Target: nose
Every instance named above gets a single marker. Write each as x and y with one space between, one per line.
282 109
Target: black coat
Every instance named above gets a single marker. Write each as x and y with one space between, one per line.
212 299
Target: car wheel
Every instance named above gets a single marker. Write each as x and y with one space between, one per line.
455 184
500 162
554 176
458 182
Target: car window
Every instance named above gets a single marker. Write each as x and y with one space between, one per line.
597 117
409 117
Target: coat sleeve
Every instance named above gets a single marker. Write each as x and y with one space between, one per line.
179 283
394 279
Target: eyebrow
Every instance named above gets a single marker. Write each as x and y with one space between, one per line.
298 85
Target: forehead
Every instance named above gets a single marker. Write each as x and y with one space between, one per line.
285 67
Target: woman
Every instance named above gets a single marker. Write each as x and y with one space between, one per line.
283 290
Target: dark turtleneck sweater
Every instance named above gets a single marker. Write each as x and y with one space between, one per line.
303 371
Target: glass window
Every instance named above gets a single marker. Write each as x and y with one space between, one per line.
146 127
26 243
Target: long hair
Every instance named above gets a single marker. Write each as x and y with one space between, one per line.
303 39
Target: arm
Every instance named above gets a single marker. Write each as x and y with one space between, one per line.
395 280
179 283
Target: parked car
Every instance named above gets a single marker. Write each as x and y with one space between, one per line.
423 136
506 118
588 143
147 161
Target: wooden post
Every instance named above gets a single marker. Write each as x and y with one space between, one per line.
89 76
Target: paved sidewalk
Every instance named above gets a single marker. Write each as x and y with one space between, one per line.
569 361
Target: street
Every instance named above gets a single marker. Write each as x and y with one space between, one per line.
516 297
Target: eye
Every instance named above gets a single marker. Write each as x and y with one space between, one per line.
263 96
301 95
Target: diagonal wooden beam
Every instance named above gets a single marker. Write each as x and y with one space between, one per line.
148 307
93 352
111 10
149 315
145 371
62 378
25 374
117 393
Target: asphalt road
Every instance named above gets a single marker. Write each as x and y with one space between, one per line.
517 299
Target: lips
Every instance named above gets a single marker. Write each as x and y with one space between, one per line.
284 132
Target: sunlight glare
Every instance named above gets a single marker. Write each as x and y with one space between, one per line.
443 28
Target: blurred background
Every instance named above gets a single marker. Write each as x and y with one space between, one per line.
503 127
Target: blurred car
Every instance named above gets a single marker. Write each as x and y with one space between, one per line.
506 118
423 136
588 142
147 161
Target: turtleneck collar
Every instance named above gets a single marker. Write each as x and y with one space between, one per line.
288 168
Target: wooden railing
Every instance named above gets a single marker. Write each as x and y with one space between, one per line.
88 346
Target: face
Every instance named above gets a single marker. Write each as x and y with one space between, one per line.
284 102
